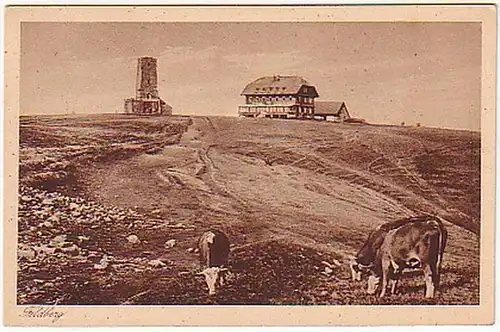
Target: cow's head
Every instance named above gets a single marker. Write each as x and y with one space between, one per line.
365 258
213 277
210 238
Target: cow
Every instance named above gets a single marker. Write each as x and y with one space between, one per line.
213 247
416 244
365 257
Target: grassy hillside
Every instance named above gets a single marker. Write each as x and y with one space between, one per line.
291 195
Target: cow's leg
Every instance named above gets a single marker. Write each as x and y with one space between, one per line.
386 264
373 282
429 281
394 284
222 279
437 276
394 276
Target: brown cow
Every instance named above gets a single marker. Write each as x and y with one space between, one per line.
365 257
213 248
418 244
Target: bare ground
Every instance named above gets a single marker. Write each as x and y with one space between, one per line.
291 195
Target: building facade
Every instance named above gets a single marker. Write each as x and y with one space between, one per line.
278 97
147 100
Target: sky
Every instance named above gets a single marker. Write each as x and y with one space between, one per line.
428 73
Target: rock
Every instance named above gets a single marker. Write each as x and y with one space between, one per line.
157 211
73 206
45 250
47 224
156 263
336 262
133 239
33 228
323 293
73 250
25 252
190 250
103 264
54 218
58 241
47 201
26 199
170 243
328 270
327 264
196 250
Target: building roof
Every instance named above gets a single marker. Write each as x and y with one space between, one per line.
328 107
276 85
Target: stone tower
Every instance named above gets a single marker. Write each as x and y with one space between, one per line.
147 78
147 101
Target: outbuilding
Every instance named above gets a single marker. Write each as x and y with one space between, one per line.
331 110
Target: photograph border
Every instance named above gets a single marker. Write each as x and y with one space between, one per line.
482 314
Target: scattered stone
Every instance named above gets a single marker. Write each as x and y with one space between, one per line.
170 243
328 270
327 264
323 293
54 218
73 250
58 241
103 264
196 250
133 239
156 263
190 250
157 211
47 224
26 253
47 201
45 250
336 262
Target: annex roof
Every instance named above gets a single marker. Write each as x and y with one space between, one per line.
328 107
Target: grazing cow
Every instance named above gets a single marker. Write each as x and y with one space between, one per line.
365 258
417 244
213 248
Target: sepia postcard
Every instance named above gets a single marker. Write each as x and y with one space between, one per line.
249 165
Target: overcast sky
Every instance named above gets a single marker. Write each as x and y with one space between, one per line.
385 72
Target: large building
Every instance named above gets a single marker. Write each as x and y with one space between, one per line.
147 100
279 97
